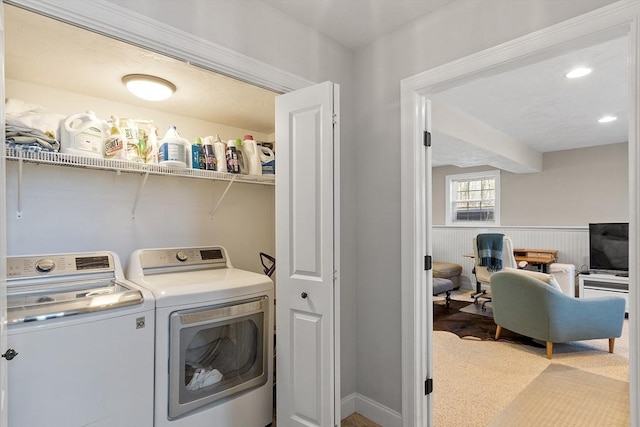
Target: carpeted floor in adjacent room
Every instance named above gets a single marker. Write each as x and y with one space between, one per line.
492 383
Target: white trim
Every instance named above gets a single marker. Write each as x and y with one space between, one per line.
115 21
370 409
618 18
348 405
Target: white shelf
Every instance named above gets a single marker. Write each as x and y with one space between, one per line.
119 166
72 160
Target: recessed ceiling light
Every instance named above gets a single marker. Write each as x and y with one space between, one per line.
578 72
148 87
607 119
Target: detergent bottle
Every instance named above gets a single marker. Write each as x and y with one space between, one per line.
267 160
197 153
173 149
252 155
232 157
209 154
243 165
219 149
83 134
115 146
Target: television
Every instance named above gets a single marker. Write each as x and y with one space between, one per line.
609 247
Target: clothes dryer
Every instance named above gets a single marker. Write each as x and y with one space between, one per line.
80 341
214 337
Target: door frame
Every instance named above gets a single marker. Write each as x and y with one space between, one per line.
417 345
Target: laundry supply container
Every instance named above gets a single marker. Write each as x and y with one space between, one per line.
565 274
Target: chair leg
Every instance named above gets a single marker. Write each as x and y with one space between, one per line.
612 343
498 332
549 349
447 299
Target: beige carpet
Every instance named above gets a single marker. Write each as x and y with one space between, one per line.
475 380
567 397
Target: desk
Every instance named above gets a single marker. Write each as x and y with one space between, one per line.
541 258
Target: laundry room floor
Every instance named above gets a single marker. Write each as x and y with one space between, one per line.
357 420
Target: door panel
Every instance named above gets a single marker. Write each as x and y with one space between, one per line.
306 237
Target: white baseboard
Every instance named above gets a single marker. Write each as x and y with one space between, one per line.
370 409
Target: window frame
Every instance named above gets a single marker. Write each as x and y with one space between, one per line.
449 189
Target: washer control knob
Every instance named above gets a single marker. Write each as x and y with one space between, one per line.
45 265
182 256
304 295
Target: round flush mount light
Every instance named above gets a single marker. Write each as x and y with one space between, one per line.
578 72
150 88
607 119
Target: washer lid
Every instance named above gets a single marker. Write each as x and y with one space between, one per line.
187 287
33 302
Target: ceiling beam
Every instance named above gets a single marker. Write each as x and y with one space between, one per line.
479 144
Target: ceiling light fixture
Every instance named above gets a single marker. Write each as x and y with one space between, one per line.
148 87
578 72
607 119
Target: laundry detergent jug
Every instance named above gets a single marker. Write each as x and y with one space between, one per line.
173 149
83 134
251 155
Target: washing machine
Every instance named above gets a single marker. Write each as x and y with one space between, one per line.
214 337
80 343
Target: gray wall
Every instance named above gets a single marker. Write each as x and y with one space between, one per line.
370 102
168 215
575 187
452 32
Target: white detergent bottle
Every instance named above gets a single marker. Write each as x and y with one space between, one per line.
173 149
83 134
252 155
267 160
219 149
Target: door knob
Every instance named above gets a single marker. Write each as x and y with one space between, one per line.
304 295
10 354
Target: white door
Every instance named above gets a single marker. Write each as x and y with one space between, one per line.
307 244
3 246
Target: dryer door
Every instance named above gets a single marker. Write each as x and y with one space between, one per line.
215 352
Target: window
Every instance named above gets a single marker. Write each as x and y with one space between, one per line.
473 198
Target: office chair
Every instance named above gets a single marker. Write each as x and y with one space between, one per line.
492 252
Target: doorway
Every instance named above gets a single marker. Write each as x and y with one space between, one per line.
618 19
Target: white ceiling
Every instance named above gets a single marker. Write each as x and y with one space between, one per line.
535 105
44 51
356 23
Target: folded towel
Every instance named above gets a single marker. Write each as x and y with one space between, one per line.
490 250
25 116
203 378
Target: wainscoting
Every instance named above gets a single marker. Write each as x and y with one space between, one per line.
450 244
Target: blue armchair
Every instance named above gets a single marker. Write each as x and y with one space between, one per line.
531 307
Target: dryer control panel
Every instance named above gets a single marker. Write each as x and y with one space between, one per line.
148 261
